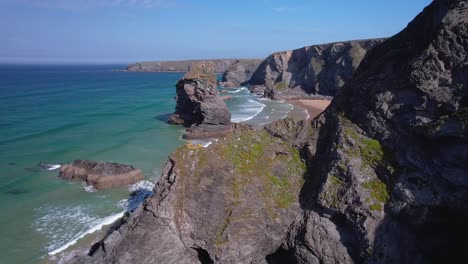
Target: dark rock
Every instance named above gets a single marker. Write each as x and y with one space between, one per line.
17 191
239 73
101 175
198 101
318 69
11 163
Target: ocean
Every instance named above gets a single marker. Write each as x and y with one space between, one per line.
54 114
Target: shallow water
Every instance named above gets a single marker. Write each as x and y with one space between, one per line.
56 114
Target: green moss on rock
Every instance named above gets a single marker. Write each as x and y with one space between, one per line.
378 190
331 191
281 85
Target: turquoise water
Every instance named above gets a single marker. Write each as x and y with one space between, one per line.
56 114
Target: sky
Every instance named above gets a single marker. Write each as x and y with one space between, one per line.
126 31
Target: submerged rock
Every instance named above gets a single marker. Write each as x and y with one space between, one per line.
101 175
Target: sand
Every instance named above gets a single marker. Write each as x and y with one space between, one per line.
312 108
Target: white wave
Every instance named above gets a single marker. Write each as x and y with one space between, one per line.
238 90
104 222
49 166
90 188
145 185
247 111
65 225
54 167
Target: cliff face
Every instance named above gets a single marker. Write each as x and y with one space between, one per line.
319 69
380 177
220 65
239 73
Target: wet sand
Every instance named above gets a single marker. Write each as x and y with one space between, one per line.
307 109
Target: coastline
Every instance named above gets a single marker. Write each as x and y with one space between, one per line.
310 108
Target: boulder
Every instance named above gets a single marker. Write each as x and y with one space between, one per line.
101 175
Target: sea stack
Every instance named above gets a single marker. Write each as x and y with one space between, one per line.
199 105
101 175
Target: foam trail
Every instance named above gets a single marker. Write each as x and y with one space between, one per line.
106 221
49 166
54 167
238 90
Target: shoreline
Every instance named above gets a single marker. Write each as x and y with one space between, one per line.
311 107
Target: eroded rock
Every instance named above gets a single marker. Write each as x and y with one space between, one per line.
101 175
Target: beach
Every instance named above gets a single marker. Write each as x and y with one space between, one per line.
307 108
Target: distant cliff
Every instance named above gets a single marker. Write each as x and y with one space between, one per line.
239 73
221 65
312 70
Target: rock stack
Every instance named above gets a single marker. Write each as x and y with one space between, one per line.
199 106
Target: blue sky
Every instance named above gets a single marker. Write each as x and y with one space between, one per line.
121 31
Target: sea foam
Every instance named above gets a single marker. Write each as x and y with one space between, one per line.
59 217
103 222
247 111
238 90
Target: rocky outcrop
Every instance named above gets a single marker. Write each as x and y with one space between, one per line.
220 65
313 70
231 203
199 103
101 175
239 73
380 177
387 188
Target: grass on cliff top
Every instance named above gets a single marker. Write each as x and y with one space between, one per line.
271 170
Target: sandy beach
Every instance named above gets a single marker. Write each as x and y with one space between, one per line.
307 109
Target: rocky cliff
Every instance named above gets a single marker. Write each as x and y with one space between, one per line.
380 177
239 73
220 65
313 70
199 103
